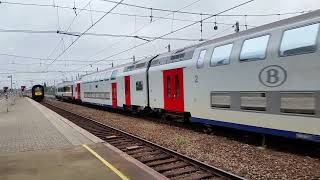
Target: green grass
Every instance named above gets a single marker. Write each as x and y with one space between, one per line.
181 141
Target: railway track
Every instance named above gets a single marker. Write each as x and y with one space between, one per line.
171 164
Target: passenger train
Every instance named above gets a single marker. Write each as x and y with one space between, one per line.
264 80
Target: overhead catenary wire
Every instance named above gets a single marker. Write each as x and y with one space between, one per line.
84 32
33 64
163 18
138 30
179 29
72 60
148 16
199 13
43 72
91 34
67 30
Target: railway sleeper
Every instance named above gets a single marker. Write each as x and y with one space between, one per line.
150 154
111 137
149 159
98 131
118 138
133 145
142 149
197 175
161 162
167 167
122 140
119 141
177 172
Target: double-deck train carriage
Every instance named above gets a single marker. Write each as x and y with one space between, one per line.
166 81
122 87
262 80
96 88
134 79
76 91
37 93
64 90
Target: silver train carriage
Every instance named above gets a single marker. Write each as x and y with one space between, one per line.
64 90
263 80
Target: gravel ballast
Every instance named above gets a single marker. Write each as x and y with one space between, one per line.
239 158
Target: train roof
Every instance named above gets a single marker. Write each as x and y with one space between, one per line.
284 22
187 51
65 83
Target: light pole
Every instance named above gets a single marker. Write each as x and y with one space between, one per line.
11 80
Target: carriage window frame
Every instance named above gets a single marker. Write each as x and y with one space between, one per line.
140 65
297 27
203 59
177 85
212 54
255 58
113 75
139 85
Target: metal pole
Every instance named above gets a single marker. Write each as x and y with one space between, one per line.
11 82
7 102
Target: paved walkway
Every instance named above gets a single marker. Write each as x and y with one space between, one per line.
25 128
36 143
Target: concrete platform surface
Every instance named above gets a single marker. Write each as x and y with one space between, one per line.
36 143
71 163
25 128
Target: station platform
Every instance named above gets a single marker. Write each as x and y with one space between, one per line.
36 143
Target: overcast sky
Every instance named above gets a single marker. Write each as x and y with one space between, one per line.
92 48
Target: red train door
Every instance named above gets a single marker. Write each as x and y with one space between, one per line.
173 90
127 90
114 95
78 91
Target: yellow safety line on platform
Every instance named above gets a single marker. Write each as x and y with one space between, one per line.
115 170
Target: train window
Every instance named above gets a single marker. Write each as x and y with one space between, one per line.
200 61
139 86
221 55
140 65
129 68
114 75
298 102
255 101
178 56
188 55
67 89
168 87
155 62
299 40
177 84
254 49
107 95
220 100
